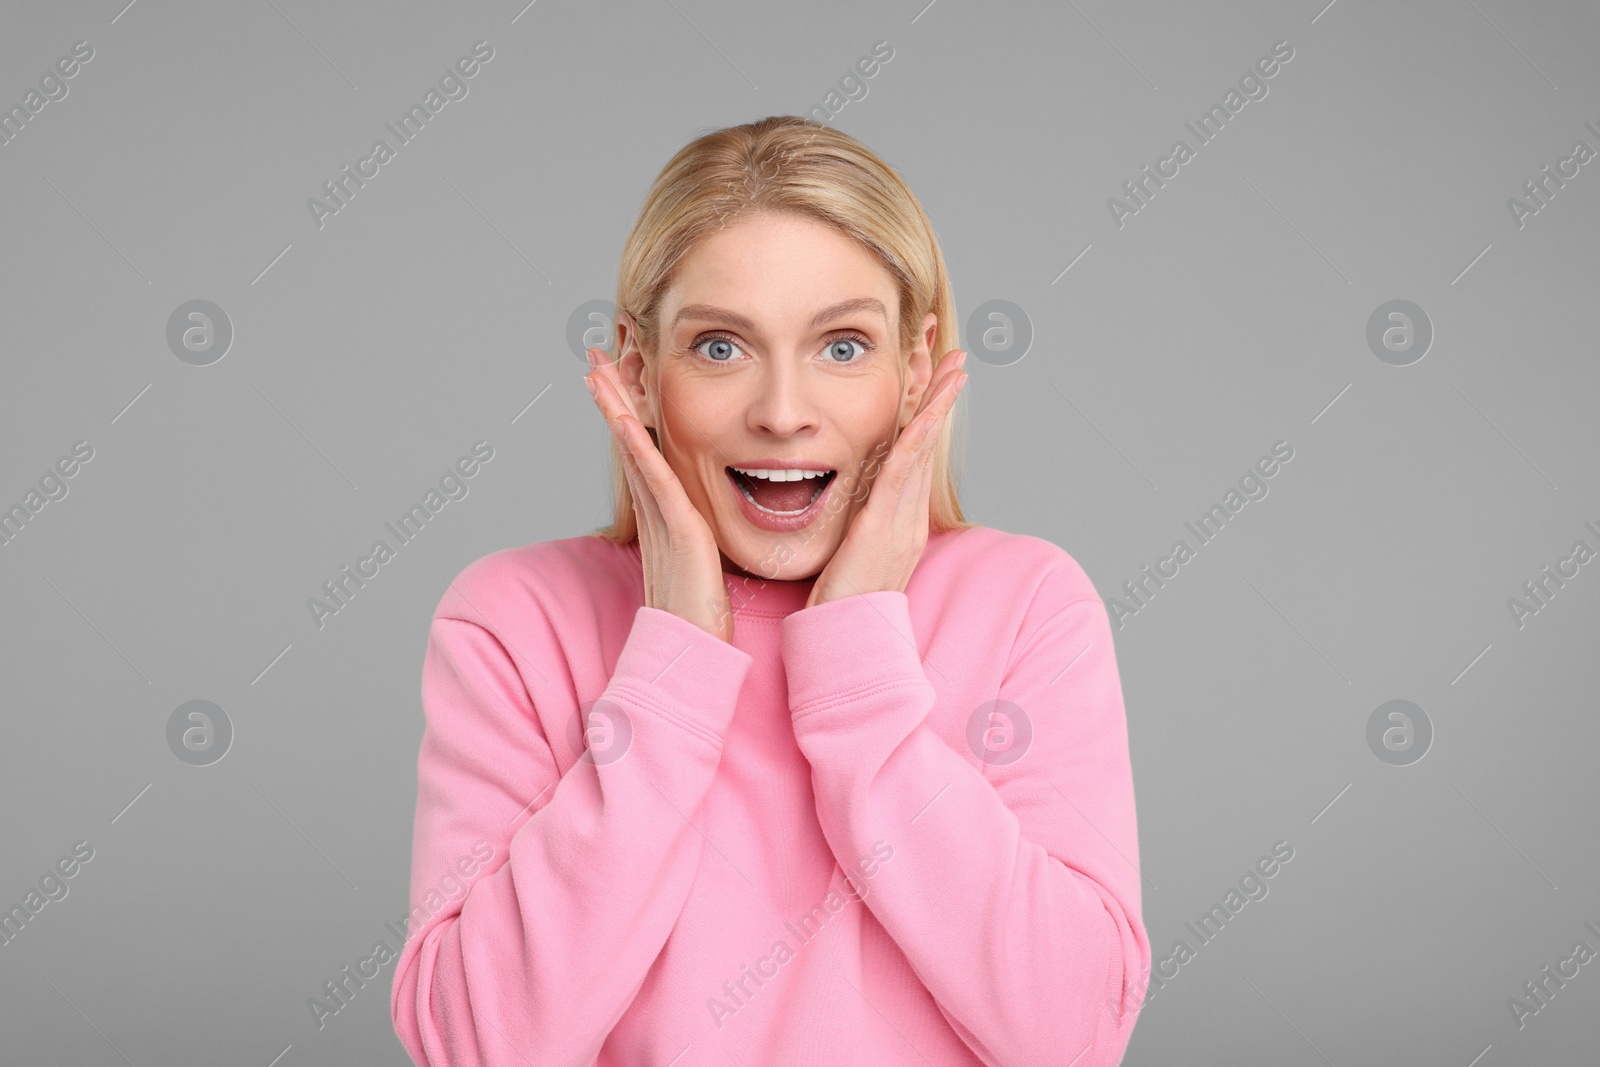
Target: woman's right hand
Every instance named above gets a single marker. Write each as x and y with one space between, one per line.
682 564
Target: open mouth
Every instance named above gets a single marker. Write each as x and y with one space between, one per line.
783 498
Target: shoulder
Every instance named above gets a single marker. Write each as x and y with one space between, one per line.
1016 589
545 579
1020 568
1003 590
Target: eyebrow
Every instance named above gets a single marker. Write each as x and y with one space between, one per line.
711 313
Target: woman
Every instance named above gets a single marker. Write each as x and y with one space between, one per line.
790 764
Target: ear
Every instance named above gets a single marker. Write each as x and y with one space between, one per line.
920 365
634 370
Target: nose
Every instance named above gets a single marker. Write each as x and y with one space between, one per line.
784 404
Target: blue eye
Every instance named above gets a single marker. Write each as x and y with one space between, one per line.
835 347
722 348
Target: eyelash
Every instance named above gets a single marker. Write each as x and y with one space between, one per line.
867 346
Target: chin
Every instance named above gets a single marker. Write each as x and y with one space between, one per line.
756 557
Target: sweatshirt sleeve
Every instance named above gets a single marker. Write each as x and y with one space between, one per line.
1013 888
548 946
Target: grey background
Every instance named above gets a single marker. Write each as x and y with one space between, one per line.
430 313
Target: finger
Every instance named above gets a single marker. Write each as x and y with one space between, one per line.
920 435
605 371
608 392
672 502
662 505
647 510
606 395
948 367
915 453
635 445
614 405
939 410
937 419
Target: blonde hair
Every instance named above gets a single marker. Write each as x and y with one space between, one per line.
785 163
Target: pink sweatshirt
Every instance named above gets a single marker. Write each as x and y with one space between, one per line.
895 828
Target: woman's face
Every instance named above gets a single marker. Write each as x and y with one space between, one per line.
778 350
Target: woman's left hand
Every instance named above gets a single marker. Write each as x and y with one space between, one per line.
888 534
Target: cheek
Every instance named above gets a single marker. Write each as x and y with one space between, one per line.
865 417
694 420
700 431
868 409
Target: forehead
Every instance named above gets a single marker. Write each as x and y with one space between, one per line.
780 270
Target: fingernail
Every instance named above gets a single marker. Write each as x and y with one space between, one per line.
590 383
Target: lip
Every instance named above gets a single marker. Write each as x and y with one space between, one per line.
779 523
767 464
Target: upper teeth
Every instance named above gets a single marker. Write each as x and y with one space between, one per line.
783 475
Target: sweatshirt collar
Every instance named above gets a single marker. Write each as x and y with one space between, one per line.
768 597
754 596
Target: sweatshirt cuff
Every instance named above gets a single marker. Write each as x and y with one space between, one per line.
842 648
681 671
